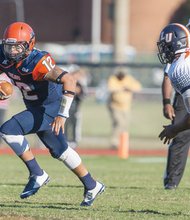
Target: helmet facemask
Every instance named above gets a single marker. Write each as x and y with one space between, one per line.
166 54
21 48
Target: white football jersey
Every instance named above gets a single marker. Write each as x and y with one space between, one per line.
179 74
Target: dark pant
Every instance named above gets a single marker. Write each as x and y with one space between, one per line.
72 125
35 121
178 149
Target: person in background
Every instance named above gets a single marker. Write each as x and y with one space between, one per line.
3 104
73 126
121 87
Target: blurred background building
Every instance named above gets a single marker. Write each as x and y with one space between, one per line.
100 35
128 25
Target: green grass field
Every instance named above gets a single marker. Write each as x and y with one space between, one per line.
134 186
134 191
145 125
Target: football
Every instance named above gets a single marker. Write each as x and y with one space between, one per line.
6 89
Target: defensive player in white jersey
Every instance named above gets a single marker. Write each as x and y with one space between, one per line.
174 48
178 148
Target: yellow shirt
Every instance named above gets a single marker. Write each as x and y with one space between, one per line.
121 91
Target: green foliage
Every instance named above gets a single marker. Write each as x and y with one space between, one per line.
134 191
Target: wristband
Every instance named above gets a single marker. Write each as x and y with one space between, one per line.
58 80
166 101
68 92
65 106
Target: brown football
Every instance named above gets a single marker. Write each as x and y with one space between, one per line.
6 89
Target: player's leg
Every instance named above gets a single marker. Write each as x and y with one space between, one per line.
116 127
13 132
70 126
124 121
177 151
78 125
59 149
176 160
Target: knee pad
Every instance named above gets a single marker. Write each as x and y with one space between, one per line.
70 158
17 142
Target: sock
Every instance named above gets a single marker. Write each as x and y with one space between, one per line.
88 182
33 167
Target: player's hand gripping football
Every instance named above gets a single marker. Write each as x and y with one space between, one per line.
57 124
2 95
167 134
6 89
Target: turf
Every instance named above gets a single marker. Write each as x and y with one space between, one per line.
134 191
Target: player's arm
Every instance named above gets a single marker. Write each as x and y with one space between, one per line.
170 131
46 69
57 75
60 76
167 89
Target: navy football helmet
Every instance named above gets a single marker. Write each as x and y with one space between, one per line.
174 39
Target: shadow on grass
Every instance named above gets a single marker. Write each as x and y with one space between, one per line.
34 205
76 207
147 211
55 206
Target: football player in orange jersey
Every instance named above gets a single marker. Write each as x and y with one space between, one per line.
48 93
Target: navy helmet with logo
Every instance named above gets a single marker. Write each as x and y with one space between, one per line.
174 39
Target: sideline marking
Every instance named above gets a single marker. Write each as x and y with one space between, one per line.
93 151
149 160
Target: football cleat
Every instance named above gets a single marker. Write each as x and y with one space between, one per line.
170 187
90 195
34 184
